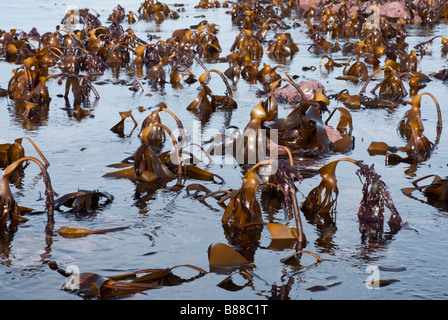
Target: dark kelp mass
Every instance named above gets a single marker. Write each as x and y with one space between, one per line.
276 155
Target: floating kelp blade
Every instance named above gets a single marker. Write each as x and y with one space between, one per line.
436 192
223 257
194 172
381 283
380 148
70 232
93 285
298 253
282 232
127 173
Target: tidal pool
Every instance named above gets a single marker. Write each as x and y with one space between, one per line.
168 228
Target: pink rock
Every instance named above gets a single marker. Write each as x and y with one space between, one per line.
271 145
394 10
391 9
305 4
333 135
290 94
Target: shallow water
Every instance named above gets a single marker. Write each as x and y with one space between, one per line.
80 150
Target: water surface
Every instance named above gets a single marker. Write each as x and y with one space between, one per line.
79 151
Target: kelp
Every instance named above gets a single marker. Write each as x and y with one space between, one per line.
119 127
356 72
380 148
71 232
267 75
146 165
330 64
207 43
322 199
303 130
392 90
243 210
320 44
345 124
95 286
96 48
83 200
283 48
435 192
350 101
156 11
417 149
80 85
10 208
156 136
391 87
423 46
247 46
11 152
223 257
156 75
414 116
28 83
206 100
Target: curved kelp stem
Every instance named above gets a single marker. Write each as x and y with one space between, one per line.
330 63
47 164
417 99
204 78
423 44
214 193
288 152
289 80
144 136
363 89
294 255
194 57
49 193
163 107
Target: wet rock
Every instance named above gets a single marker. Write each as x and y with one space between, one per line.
333 135
389 9
290 94
394 10
305 4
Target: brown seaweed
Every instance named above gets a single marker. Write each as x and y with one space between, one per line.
92 285
83 200
10 208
